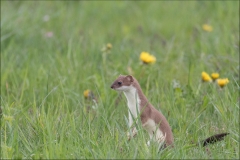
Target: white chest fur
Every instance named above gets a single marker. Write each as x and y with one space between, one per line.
133 103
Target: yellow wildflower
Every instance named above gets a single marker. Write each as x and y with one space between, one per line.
207 28
109 46
206 77
215 76
87 93
222 82
147 58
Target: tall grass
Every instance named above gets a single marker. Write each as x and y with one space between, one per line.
51 53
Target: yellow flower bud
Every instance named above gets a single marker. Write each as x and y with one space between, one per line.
215 76
207 28
86 93
222 82
147 58
206 77
109 46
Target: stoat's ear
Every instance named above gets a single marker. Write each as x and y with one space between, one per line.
129 78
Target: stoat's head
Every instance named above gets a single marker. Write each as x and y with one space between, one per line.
123 83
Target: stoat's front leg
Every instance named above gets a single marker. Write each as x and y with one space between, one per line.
133 130
132 134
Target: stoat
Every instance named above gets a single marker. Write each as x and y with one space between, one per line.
152 120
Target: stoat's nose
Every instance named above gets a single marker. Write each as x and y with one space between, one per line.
112 86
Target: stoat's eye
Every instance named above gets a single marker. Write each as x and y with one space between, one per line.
119 83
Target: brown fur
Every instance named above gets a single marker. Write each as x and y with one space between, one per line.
146 108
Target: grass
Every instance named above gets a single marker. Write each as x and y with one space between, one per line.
43 77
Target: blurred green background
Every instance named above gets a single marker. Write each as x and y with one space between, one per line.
51 52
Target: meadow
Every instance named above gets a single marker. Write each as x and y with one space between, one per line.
53 51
